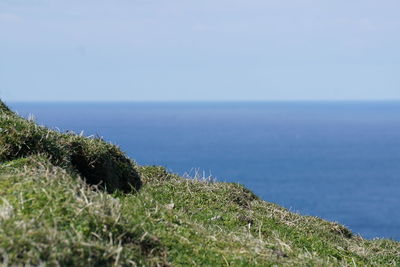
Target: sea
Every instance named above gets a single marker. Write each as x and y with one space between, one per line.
339 161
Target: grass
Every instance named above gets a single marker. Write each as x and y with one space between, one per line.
98 162
48 215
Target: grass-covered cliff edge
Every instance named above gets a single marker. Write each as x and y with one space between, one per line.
70 200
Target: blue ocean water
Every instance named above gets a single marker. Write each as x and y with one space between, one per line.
335 160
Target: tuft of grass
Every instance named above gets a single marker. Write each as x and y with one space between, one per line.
100 163
48 217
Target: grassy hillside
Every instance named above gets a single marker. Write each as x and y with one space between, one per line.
53 212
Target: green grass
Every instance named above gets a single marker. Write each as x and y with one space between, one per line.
48 215
98 162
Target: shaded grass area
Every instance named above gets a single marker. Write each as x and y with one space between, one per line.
48 215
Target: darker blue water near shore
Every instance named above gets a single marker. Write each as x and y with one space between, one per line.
338 161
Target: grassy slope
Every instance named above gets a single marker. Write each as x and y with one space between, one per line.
48 215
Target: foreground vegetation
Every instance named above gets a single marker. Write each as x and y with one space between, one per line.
52 212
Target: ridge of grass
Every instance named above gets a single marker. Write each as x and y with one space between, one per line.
97 161
49 217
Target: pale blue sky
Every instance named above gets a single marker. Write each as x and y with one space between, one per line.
219 50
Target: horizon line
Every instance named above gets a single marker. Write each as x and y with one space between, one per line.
208 101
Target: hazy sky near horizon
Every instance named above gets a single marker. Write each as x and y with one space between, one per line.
183 50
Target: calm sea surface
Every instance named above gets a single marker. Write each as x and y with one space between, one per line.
338 161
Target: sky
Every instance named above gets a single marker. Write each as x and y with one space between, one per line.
208 50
